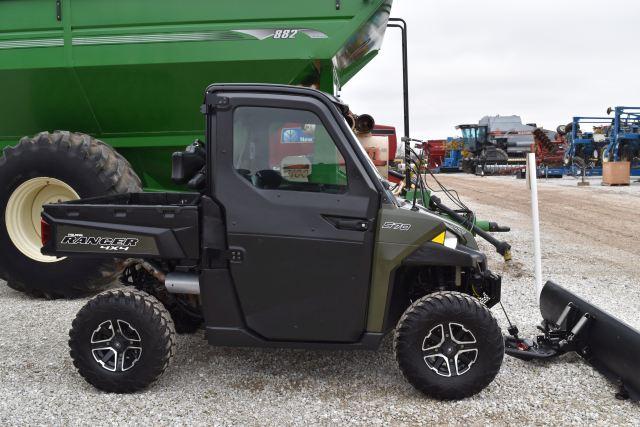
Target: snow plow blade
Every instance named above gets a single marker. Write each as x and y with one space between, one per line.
571 324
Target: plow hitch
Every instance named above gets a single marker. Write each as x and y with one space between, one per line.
572 324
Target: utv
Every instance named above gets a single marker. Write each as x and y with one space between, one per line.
290 239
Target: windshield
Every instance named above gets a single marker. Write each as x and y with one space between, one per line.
362 150
473 135
370 166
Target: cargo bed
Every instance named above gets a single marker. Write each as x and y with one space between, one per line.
144 225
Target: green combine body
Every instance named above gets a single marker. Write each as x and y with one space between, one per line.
96 67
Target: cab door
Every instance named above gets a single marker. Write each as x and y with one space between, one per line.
300 214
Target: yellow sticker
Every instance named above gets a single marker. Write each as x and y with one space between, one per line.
439 238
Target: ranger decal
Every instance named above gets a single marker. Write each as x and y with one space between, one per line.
106 243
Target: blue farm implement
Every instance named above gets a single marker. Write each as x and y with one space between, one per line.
624 136
586 148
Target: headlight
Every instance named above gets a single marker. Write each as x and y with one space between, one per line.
446 238
450 240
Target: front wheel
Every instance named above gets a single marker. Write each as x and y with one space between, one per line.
122 340
448 345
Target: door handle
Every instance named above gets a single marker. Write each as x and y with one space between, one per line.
352 224
344 223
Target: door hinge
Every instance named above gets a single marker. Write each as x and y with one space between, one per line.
59 10
215 102
235 255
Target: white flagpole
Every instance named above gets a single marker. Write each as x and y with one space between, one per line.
532 180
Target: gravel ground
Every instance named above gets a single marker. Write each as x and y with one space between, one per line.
589 243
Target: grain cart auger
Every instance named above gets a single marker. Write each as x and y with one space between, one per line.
316 255
571 324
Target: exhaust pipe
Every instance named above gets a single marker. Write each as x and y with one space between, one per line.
182 283
175 282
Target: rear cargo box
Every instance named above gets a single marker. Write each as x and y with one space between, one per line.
138 225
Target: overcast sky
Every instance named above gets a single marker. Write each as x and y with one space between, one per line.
543 60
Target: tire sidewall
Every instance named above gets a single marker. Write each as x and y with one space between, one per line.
144 371
79 174
489 343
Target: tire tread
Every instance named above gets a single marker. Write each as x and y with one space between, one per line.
113 170
152 311
433 303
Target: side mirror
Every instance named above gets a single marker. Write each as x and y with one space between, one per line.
185 165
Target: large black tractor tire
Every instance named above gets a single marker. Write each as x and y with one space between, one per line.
44 169
122 340
448 345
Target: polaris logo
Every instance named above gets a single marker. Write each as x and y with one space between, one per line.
105 243
390 225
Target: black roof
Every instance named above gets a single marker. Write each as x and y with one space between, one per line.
277 88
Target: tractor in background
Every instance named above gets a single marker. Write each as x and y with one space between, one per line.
481 153
499 145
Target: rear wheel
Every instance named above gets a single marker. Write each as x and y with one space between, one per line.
122 341
448 345
49 168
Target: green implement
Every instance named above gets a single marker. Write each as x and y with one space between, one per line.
111 89
129 72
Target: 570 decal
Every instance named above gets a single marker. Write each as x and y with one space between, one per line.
105 243
390 225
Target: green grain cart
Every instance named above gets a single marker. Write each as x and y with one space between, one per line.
108 88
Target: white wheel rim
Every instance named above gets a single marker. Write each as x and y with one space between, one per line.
22 214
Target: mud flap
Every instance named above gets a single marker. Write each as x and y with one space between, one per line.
572 324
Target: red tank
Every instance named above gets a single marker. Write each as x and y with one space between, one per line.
435 150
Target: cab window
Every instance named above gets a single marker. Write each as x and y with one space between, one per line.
286 149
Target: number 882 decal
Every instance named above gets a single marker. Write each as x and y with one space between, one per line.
285 34
282 33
